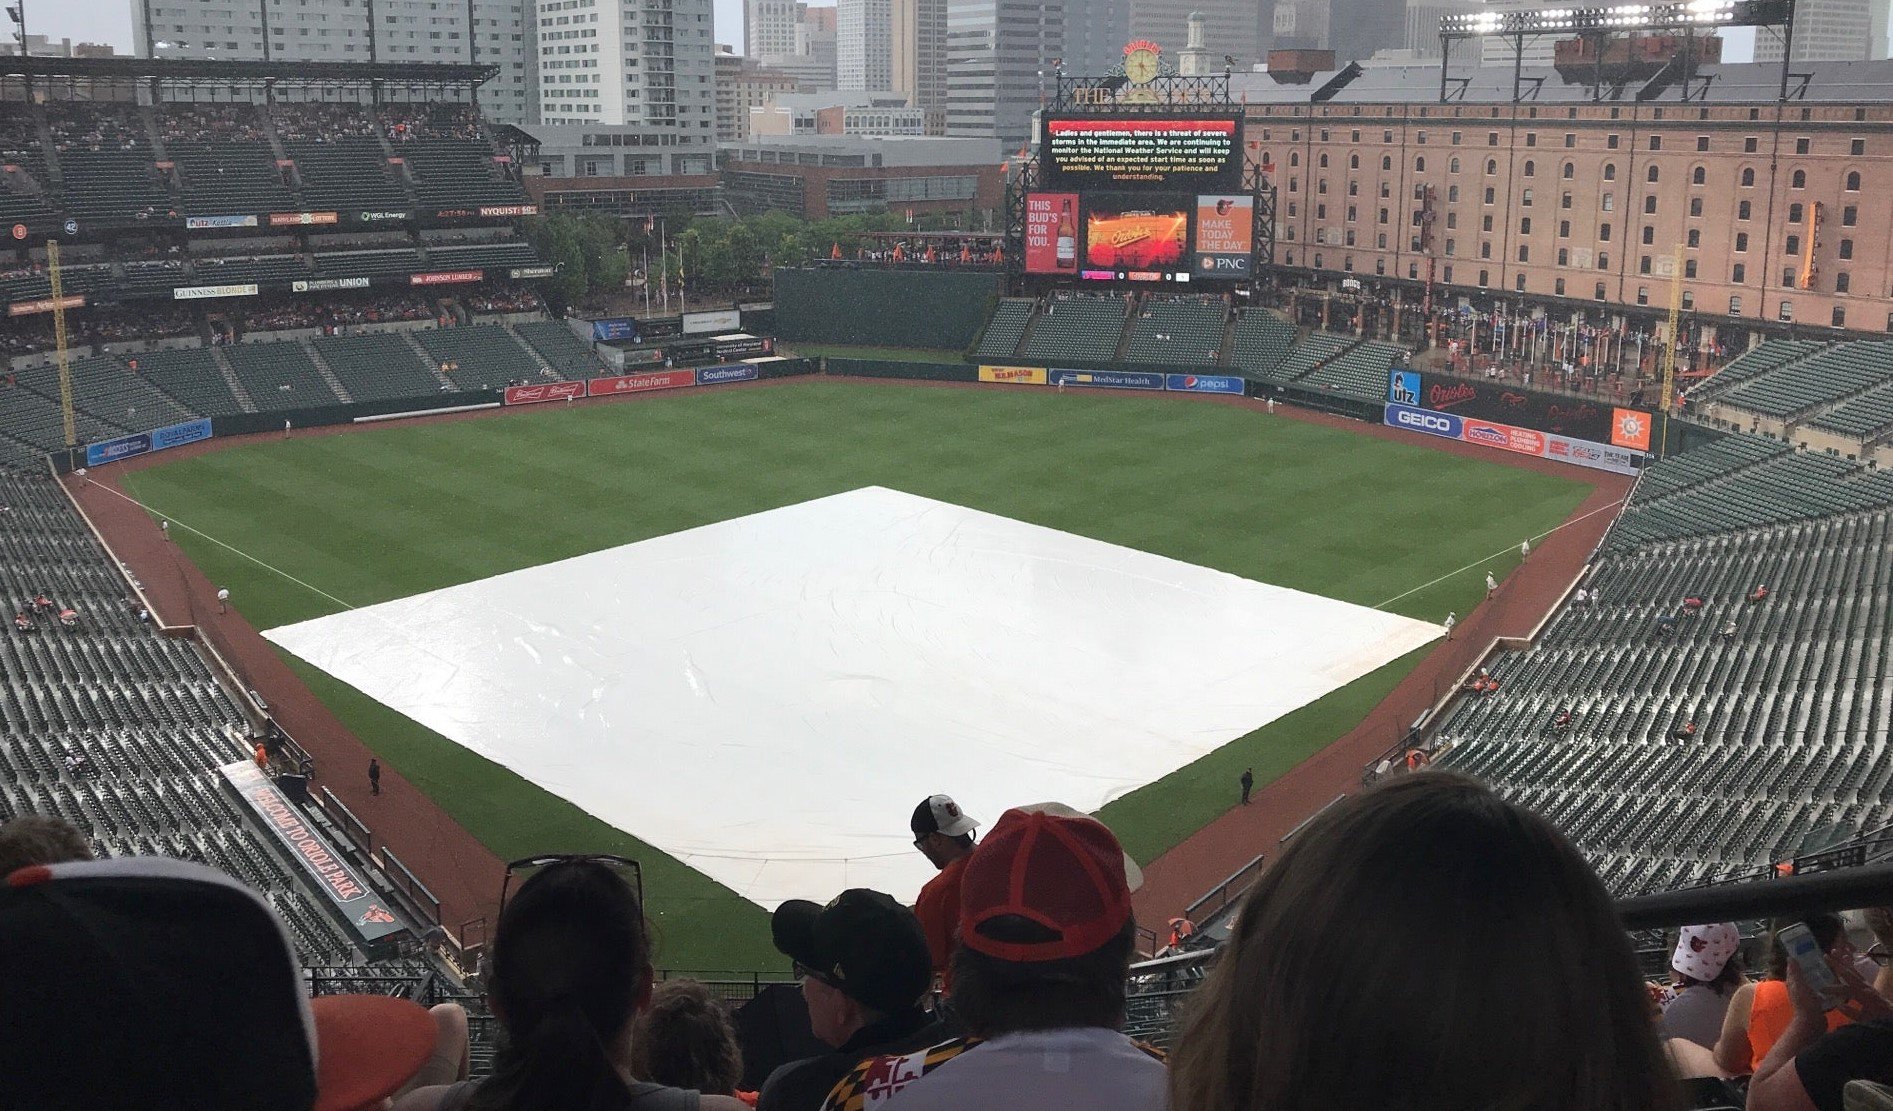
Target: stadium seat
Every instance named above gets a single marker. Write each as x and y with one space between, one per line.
377 367
1078 328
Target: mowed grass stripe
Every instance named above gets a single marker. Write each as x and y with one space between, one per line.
391 511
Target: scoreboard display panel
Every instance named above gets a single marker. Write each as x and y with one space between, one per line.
1165 154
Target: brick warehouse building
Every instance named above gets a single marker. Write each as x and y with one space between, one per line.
1779 209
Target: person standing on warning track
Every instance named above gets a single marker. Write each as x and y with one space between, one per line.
944 835
1248 784
1452 618
374 776
1524 549
1491 585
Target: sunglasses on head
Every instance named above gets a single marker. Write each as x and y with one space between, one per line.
532 864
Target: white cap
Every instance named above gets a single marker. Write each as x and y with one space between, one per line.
946 817
1702 952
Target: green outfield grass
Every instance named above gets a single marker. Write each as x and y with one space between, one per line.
390 511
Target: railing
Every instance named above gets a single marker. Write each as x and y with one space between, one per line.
1303 824
1155 992
409 884
1227 891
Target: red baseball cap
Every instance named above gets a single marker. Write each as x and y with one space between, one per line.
1062 871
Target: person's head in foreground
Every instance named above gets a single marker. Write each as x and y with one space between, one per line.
32 839
158 984
1046 931
1424 945
862 960
684 1039
571 968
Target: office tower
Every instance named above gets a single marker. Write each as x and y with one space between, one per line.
864 44
1000 59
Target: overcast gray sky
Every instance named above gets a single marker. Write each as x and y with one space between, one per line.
110 20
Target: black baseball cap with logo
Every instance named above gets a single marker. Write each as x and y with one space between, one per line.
863 944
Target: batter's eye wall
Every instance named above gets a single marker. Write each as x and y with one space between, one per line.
884 308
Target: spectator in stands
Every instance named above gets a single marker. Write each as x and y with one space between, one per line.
1298 1012
1665 624
178 988
1880 921
1760 593
864 968
1561 724
69 617
1759 1012
1045 941
1706 969
1813 1064
1728 630
33 839
1686 731
1581 598
571 968
1692 604
22 623
944 835
685 1040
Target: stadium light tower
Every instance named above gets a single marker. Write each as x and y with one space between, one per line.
1687 16
16 14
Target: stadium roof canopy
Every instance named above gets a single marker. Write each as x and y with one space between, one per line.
211 72
1865 82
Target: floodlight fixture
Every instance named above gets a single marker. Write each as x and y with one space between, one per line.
1627 17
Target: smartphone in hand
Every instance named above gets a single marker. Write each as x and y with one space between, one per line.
1812 964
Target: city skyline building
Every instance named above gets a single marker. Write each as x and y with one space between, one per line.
340 31
1001 58
647 62
864 45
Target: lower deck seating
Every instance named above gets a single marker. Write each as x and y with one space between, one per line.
484 356
192 376
377 367
568 355
279 376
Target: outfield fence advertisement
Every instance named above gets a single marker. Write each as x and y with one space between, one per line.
640 383
1503 403
1107 379
1013 375
1520 441
141 443
616 384
368 914
1204 383
550 391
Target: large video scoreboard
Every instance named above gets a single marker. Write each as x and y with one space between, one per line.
1141 198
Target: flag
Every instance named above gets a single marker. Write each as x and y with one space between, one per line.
931 256
966 253
835 251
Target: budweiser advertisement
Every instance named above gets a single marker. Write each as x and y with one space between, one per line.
1051 233
549 391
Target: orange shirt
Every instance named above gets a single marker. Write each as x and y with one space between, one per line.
1768 1017
938 909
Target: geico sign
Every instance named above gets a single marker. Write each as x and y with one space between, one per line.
1426 422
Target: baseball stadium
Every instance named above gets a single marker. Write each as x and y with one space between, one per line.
361 557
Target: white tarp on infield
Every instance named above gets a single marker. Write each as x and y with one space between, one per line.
769 697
